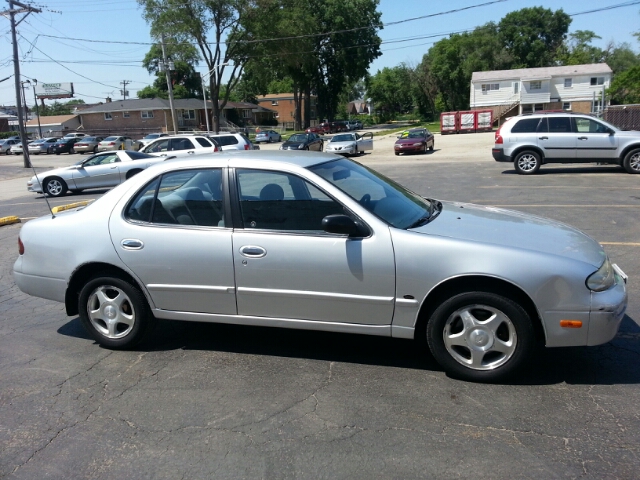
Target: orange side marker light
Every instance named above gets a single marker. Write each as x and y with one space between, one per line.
571 323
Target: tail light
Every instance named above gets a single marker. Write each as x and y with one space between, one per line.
20 247
215 148
247 146
499 139
112 143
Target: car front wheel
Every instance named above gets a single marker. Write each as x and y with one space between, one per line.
114 312
55 187
632 161
480 336
527 162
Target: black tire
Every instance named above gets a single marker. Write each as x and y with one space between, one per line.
114 312
71 151
55 187
269 140
495 339
95 149
632 161
57 153
433 145
527 162
397 153
426 149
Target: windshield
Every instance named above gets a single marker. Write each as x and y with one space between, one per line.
383 197
151 136
298 137
110 139
343 138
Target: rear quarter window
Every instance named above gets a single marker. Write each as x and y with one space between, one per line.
526 125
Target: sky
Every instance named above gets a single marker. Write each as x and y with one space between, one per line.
84 54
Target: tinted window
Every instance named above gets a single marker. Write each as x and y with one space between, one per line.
186 197
203 142
559 125
138 155
281 201
181 144
158 146
526 125
227 140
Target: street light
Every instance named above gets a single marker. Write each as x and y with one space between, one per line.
33 83
204 95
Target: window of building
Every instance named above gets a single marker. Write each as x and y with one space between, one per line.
189 114
597 80
274 103
535 85
146 114
125 115
246 113
490 86
107 116
568 82
566 105
516 87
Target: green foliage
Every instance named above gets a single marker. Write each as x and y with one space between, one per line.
625 87
534 36
57 108
390 90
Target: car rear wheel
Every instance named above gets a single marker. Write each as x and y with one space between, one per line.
114 312
480 336
55 187
527 162
632 161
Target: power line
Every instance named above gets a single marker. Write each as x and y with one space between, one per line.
610 7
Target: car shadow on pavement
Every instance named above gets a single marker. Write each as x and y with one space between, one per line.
610 364
556 170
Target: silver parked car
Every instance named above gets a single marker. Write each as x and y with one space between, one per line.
88 144
42 145
6 144
319 242
350 143
103 170
268 136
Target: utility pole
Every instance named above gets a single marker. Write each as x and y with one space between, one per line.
167 72
124 91
16 71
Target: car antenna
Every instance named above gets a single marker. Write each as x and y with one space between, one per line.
43 192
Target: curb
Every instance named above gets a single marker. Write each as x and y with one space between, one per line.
70 206
9 220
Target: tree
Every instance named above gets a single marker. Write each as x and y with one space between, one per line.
579 50
390 90
625 87
620 57
57 108
534 36
218 28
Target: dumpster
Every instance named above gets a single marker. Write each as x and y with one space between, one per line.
467 122
449 122
484 120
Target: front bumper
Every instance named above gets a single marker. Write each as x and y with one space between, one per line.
408 148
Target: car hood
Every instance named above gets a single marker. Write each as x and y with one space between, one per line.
410 141
509 228
341 144
293 144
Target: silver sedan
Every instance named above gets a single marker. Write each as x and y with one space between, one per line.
103 170
319 242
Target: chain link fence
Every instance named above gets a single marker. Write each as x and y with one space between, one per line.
625 117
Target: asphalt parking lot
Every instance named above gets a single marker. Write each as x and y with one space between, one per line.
217 401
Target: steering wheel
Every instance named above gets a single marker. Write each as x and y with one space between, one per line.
365 201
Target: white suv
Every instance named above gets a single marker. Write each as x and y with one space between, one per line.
181 146
533 140
233 141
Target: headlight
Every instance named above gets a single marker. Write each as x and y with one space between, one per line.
301 146
281 147
417 144
603 279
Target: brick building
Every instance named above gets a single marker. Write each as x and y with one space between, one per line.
284 106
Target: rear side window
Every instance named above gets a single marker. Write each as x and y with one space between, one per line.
526 125
227 140
203 142
559 125
181 144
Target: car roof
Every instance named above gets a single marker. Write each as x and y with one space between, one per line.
241 159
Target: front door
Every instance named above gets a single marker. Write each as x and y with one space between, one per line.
594 140
288 267
101 170
178 244
365 141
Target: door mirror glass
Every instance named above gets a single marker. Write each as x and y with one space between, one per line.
343 225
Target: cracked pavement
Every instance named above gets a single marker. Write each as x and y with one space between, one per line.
201 401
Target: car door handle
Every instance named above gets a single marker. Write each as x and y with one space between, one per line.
131 244
191 152
543 138
252 251
113 167
583 138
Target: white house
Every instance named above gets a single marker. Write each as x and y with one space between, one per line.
578 88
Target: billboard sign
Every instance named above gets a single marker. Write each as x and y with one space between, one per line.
54 90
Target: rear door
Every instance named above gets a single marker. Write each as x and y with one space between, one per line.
557 139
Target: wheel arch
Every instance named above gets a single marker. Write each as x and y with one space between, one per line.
533 148
82 275
626 151
477 283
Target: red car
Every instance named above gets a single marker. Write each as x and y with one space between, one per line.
321 128
416 140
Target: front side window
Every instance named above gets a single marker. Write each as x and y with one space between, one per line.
185 197
379 195
158 146
282 201
180 144
101 160
587 125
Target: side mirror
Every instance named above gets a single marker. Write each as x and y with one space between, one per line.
344 225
